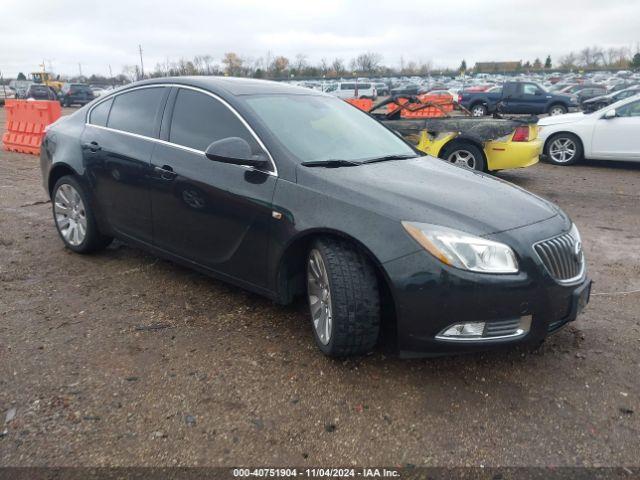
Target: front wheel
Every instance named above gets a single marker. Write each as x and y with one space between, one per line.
557 110
344 300
563 149
74 219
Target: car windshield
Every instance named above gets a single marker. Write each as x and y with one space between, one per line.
317 128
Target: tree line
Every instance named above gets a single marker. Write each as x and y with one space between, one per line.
366 64
369 64
279 67
598 57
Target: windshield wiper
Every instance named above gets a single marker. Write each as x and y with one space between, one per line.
390 157
331 163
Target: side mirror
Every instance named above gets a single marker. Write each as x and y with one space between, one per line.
237 151
538 93
609 114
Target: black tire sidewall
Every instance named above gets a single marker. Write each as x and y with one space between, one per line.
93 240
340 299
480 165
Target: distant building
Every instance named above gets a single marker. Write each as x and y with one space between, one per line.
494 67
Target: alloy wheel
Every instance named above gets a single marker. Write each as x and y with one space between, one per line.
463 158
477 112
70 214
562 150
319 296
556 111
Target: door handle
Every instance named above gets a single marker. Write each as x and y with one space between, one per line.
166 172
92 146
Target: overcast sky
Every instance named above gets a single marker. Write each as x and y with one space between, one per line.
99 34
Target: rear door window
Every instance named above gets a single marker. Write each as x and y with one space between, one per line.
136 111
199 120
100 113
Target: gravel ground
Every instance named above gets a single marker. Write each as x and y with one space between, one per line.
123 359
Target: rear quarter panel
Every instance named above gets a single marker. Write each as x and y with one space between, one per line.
62 146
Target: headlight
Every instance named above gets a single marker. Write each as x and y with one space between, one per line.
462 250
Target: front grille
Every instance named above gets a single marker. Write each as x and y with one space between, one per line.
562 256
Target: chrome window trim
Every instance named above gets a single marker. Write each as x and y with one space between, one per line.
176 145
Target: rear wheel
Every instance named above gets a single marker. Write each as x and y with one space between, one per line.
563 149
344 300
74 219
557 110
465 155
479 110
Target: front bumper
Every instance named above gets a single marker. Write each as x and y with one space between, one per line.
430 297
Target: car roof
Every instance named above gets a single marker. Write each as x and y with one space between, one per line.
232 85
624 101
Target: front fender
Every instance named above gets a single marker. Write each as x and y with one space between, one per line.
313 212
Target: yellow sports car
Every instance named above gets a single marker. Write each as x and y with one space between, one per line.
520 148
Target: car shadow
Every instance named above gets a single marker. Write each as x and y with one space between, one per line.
287 328
618 164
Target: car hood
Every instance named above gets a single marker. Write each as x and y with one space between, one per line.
599 98
559 119
430 190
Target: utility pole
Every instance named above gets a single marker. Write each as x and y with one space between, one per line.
110 75
141 63
4 88
80 69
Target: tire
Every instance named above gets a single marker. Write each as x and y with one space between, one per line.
563 149
70 207
465 155
343 281
478 110
557 110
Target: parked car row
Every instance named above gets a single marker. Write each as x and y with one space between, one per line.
70 94
550 93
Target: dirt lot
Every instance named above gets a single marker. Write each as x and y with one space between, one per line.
123 359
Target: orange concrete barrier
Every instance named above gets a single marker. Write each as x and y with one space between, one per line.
439 106
361 103
26 122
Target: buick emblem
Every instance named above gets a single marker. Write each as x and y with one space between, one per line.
577 251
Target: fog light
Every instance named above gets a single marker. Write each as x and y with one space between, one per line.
471 329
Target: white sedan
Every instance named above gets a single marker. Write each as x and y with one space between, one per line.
612 133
